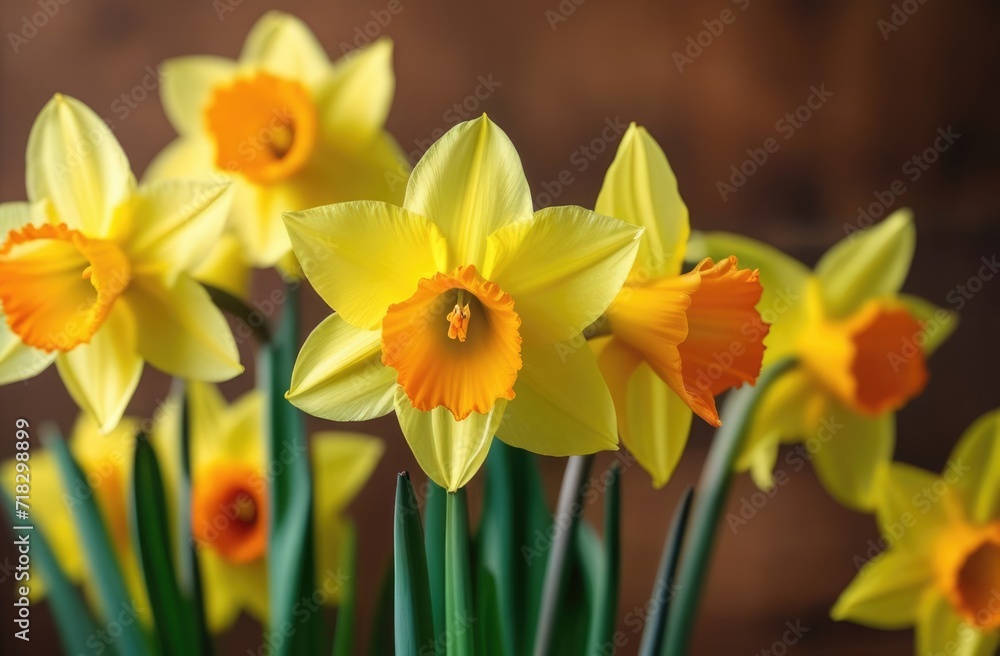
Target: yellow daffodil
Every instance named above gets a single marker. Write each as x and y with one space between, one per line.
861 350
229 499
462 310
291 129
941 571
94 271
106 462
677 340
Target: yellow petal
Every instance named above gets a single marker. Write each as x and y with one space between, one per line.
787 410
362 257
255 219
657 424
224 432
187 157
563 269
342 463
450 452
977 458
938 324
339 374
470 183
784 279
181 332
360 94
282 44
225 268
102 375
222 589
941 630
909 497
18 361
561 405
174 226
867 265
854 447
74 160
886 592
186 85
640 188
653 421
374 170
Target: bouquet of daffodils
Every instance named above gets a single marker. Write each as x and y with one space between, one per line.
495 334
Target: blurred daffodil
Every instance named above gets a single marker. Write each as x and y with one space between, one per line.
462 310
106 462
941 571
94 271
292 129
677 340
861 350
229 499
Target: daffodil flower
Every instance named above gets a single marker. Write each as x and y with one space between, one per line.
861 350
941 571
677 340
291 129
462 310
106 462
94 271
229 500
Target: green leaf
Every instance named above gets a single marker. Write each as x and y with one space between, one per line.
381 640
656 621
112 593
560 555
576 609
460 615
434 521
188 569
175 615
291 552
72 617
414 626
343 636
603 620
713 487
489 634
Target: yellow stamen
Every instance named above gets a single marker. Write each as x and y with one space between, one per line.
435 370
458 327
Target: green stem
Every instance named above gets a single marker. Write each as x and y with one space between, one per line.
459 611
567 513
713 488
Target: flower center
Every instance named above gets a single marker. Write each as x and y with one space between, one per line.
870 360
264 127
971 567
446 359
57 286
229 512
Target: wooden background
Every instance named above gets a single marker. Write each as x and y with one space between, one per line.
559 82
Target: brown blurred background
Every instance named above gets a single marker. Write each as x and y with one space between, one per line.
556 79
